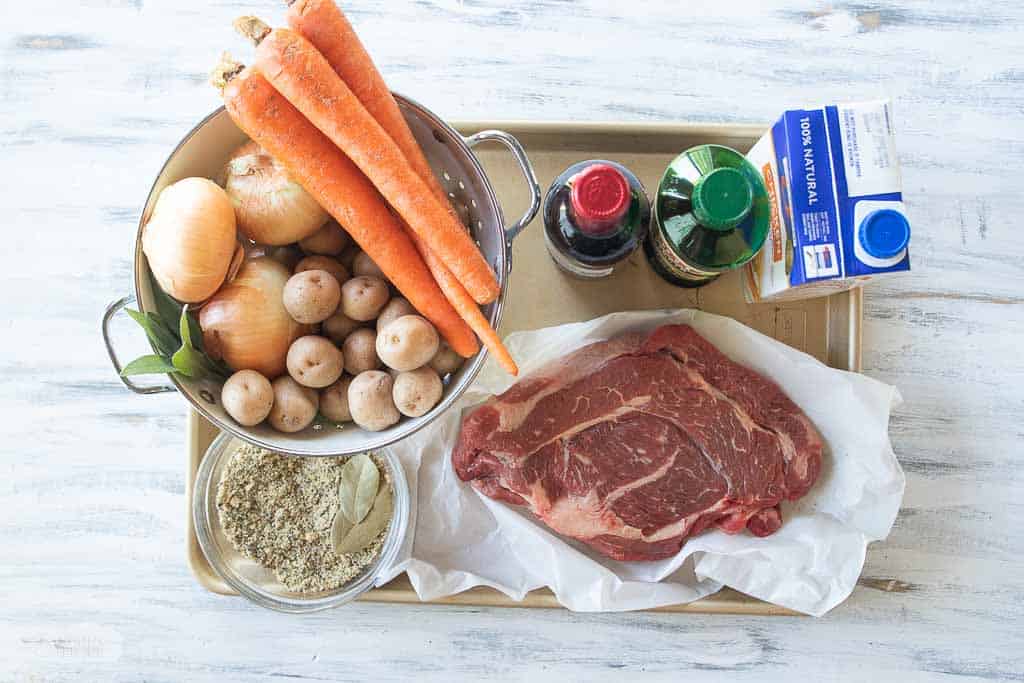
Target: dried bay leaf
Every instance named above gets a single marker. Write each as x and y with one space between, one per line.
340 530
360 480
363 534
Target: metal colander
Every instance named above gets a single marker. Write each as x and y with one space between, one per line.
204 151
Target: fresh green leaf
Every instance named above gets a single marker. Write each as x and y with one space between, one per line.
159 335
195 333
167 308
185 328
148 365
360 480
363 534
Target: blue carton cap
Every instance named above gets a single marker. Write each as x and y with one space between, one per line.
884 233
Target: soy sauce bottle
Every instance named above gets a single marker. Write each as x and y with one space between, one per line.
711 215
596 213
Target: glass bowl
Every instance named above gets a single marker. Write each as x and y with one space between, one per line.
259 584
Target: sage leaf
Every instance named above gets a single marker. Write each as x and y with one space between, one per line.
363 534
360 480
147 365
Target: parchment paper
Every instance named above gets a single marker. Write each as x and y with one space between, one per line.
464 539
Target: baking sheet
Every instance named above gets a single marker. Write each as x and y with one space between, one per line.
540 296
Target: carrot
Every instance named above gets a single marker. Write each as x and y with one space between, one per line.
299 72
335 182
323 24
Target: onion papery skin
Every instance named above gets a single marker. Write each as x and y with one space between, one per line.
246 323
270 207
190 239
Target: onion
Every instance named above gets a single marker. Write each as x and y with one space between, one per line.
270 207
246 323
190 239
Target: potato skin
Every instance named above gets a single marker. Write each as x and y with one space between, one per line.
311 296
360 351
417 391
370 401
339 326
314 361
334 400
407 343
318 262
362 264
247 396
295 406
394 310
446 361
330 240
363 297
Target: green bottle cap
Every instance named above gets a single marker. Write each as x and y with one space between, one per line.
722 199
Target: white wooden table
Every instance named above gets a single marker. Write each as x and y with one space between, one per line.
94 94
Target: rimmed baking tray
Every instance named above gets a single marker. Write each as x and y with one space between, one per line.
828 328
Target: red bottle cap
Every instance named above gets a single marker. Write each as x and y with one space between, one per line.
600 197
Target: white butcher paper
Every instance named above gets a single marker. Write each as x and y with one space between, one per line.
460 538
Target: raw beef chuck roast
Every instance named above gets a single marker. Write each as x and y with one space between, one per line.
634 444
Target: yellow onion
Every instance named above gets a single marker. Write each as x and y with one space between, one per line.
270 207
190 239
246 323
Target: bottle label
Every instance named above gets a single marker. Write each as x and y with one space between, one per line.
672 262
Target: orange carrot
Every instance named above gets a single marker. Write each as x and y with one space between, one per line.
334 181
299 72
323 24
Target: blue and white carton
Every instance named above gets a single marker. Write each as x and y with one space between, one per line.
837 217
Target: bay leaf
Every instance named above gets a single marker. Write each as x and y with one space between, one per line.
340 529
363 534
360 480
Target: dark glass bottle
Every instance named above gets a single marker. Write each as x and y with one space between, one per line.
711 215
596 213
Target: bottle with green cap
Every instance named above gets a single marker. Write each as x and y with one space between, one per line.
711 215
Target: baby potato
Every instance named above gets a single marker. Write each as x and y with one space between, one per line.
334 401
329 240
295 406
314 361
318 262
360 351
445 360
394 310
370 401
363 297
362 264
338 327
311 296
289 255
248 397
407 343
417 391
347 258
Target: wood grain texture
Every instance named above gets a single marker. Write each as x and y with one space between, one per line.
94 94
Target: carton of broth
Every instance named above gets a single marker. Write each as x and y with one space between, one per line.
837 216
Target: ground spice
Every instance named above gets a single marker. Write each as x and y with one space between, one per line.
279 511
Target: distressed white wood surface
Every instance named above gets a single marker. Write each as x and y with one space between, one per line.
94 94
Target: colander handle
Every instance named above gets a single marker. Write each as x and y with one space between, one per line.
108 315
524 165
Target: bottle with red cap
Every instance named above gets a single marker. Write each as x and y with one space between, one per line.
596 213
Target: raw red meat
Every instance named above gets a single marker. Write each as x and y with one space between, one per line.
634 444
